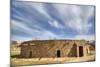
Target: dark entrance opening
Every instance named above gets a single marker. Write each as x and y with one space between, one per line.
80 51
30 54
58 53
87 51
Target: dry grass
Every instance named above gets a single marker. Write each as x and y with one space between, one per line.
36 61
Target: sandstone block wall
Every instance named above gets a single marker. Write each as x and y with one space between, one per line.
49 48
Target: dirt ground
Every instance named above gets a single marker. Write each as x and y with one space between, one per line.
37 61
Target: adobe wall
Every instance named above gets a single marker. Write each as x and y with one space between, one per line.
49 49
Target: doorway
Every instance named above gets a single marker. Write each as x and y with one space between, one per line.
58 53
80 51
30 54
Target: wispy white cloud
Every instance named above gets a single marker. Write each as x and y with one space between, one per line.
20 38
76 16
20 26
33 22
55 24
85 37
40 8
47 35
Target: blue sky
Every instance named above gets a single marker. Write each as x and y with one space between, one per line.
45 21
